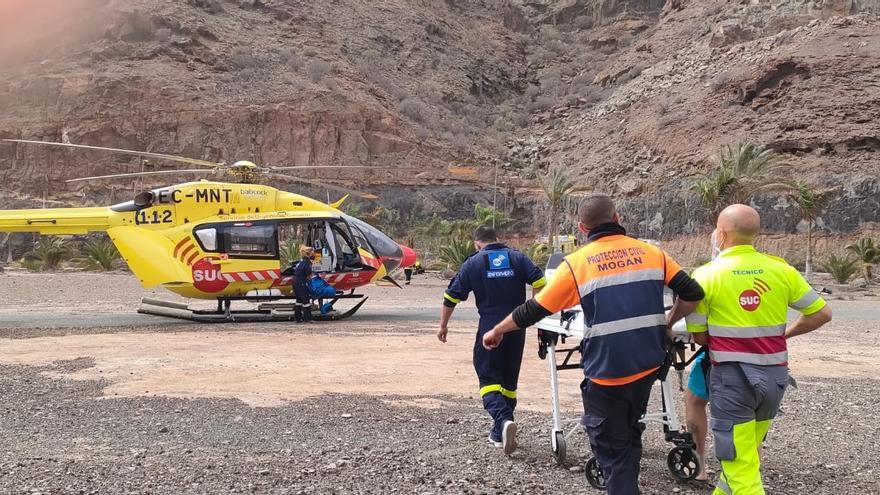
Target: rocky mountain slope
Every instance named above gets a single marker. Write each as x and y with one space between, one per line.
632 96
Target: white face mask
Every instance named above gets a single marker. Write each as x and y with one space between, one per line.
716 247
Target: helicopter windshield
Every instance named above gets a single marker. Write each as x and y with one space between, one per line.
388 251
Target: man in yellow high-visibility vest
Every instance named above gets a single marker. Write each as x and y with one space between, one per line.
743 321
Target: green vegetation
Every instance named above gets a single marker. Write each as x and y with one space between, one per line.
841 267
486 215
288 252
867 253
809 202
741 171
101 254
451 239
539 253
49 253
557 186
456 250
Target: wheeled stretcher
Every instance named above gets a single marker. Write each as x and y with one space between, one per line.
567 328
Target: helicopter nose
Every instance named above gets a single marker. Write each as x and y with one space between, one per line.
409 257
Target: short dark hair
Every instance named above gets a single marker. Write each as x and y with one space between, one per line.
596 209
485 234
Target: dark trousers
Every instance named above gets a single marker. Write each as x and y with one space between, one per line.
611 417
407 272
302 309
498 372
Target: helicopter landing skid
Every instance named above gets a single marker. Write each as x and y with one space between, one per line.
265 312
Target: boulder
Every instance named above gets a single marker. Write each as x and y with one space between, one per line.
729 32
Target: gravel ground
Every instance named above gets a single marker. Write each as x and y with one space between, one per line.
62 436
63 430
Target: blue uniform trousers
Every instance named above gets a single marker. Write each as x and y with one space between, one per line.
303 307
611 417
498 372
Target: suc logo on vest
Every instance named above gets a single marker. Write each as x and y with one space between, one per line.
749 300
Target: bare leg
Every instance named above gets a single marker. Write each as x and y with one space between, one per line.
698 425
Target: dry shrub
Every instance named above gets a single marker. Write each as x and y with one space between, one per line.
541 104
243 59
670 119
557 47
532 92
666 103
541 57
521 120
414 109
632 73
318 69
552 83
290 58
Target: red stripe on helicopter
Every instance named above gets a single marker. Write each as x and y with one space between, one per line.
192 258
252 276
180 245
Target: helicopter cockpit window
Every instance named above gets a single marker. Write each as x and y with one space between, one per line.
208 238
242 240
250 239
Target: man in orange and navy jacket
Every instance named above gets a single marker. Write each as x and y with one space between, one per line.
619 282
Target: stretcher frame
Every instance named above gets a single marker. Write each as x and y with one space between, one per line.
682 461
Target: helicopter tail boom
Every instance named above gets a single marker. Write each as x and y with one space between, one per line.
56 221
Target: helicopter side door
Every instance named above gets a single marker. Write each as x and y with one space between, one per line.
339 259
235 257
336 250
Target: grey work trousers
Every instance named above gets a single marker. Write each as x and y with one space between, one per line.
744 398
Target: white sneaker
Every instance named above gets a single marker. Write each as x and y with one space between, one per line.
494 443
508 437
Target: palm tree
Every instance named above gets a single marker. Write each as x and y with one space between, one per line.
742 170
809 202
841 267
101 254
557 186
49 252
868 253
715 190
487 215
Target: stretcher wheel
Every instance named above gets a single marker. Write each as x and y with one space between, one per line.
558 447
594 474
683 463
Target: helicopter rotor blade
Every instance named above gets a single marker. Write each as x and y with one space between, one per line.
175 158
141 174
362 195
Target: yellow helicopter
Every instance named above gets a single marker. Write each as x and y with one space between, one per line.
221 240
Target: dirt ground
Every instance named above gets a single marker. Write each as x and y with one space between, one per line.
94 396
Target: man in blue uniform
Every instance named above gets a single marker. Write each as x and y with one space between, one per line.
497 275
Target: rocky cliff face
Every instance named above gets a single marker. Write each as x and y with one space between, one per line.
790 78
632 96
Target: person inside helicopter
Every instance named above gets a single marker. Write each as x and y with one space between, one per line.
336 248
